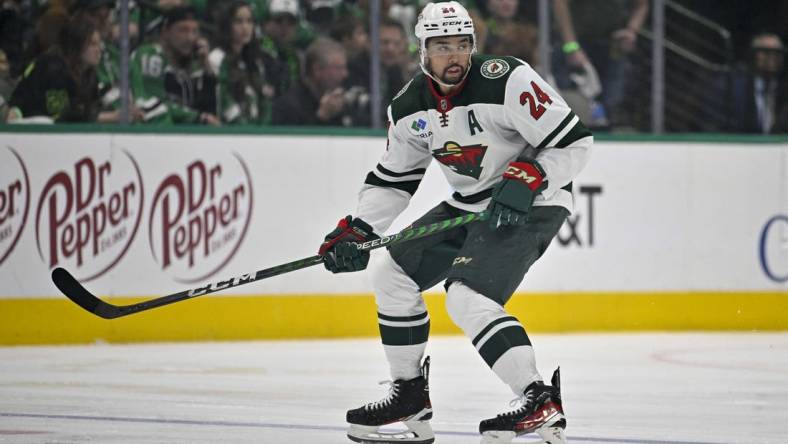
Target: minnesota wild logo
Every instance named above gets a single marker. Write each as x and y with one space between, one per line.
494 68
465 160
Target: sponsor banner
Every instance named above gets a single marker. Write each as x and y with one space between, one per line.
141 215
199 215
14 200
88 213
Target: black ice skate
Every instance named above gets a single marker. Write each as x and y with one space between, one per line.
407 402
541 412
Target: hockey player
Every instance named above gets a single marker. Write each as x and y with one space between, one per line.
507 143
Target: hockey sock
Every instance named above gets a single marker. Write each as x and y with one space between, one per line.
517 368
404 340
499 337
405 360
402 317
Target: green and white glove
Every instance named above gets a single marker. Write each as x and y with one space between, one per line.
513 196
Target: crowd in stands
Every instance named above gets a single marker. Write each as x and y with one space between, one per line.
307 62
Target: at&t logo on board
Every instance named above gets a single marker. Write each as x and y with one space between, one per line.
199 217
773 249
88 214
14 200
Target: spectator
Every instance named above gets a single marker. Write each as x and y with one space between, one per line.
760 93
61 84
323 14
352 34
398 65
508 33
406 13
147 16
172 80
599 33
246 74
517 39
47 30
280 31
500 12
99 13
319 98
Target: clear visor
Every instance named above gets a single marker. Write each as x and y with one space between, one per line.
443 49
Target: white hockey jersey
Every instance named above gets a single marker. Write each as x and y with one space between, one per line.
503 111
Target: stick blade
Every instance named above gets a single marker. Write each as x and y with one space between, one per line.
69 286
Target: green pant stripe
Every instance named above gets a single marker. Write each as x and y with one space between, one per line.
501 342
417 334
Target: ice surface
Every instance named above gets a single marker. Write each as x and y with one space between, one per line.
618 388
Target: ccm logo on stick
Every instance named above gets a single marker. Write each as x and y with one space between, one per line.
216 286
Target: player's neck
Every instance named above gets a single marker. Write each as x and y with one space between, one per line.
448 90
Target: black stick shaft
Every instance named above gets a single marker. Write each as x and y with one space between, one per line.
67 284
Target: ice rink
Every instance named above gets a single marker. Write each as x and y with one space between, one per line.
617 388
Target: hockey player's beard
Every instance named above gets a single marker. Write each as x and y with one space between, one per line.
450 79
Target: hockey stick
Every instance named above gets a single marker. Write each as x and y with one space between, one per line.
70 287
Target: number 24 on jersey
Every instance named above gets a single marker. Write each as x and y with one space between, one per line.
535 106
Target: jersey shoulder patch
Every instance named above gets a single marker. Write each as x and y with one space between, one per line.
494 68
491 67
411 99
488 77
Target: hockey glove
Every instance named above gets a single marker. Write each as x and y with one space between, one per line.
339 251
513 196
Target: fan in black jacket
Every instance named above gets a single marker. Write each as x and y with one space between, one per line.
61 83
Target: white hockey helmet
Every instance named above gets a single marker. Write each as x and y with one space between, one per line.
442 19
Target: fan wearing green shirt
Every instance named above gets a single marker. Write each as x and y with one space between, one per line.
171 79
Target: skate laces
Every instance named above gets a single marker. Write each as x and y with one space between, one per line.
385 402
527 400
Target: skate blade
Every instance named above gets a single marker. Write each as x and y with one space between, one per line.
549 435
497 437
419 432
552 435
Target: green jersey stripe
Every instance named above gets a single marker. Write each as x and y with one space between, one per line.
577 132
409 186
557 130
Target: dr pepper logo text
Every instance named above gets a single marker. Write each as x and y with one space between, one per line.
199 217
14 200
88 214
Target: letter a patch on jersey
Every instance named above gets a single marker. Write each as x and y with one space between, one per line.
465 160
